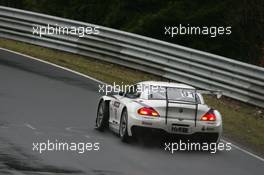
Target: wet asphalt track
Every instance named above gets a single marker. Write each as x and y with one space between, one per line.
40 102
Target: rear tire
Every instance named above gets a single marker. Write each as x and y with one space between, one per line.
123 127
213 139
102 115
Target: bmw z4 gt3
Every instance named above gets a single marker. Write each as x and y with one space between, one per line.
169 107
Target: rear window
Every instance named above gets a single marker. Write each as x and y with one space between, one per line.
176 94
133 92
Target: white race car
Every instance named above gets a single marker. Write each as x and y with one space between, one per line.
164 106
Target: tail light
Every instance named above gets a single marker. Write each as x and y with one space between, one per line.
148 111
209 116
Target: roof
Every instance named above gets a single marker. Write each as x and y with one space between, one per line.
166 84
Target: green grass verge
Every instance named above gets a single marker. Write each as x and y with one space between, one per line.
243 123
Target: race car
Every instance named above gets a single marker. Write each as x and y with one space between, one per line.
168 107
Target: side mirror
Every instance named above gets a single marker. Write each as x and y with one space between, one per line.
121 93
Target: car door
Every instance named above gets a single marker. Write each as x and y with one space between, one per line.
119 102
114 110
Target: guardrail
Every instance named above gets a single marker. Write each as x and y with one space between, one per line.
237 80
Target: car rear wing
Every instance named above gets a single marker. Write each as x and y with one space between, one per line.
196 101
218 93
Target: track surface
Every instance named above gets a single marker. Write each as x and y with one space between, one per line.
40 102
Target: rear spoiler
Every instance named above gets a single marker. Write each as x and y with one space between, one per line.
218 94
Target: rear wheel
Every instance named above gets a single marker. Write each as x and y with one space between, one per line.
102 115
212 138
123 127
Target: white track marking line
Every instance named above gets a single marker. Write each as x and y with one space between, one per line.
30 126
91 78
55 65
245 151
73 129
68 128
4 127
86 136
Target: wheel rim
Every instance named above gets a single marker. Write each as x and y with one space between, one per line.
100 115
123 124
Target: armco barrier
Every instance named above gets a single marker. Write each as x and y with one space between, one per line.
237 80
